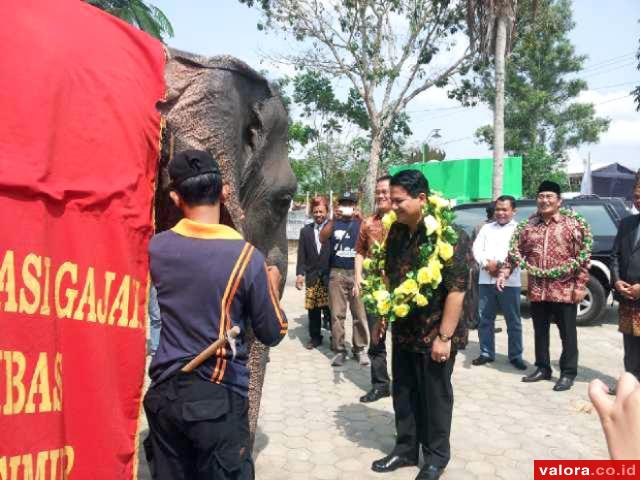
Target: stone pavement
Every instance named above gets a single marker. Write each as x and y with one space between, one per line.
312 425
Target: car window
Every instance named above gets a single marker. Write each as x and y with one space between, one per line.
598 218
468 218
524 211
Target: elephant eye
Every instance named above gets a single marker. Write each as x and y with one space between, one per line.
281 201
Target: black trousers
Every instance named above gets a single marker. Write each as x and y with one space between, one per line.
423 405
632 354
378 356
197 430
315 321
565 317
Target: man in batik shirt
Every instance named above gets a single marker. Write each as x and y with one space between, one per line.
424 342
551 240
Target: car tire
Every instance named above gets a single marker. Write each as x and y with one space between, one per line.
594 303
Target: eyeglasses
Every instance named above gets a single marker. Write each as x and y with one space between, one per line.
547 196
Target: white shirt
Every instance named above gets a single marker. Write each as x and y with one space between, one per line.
316 234
492 243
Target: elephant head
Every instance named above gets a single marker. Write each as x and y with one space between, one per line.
221 105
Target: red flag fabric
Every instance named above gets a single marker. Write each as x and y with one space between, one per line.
79 146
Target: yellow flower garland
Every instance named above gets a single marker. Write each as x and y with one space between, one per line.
419 284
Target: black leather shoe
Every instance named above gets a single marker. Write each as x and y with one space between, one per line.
564 383
481 360
539 374
430 472
313 343
375 394
519 364
392 462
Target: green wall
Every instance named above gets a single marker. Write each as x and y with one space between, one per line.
469 179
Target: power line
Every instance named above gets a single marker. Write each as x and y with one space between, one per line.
613 99
618 67
604 87
609 62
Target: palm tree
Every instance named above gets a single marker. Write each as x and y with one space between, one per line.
491 28
147 18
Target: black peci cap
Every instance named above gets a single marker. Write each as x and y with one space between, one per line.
549 186
191 163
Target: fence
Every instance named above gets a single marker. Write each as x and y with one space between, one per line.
295 221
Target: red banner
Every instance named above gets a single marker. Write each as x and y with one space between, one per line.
79 145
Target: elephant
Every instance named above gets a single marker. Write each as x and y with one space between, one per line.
221 105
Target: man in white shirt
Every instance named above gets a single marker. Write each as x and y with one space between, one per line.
490 251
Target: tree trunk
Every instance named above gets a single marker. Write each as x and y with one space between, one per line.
372 173
498 110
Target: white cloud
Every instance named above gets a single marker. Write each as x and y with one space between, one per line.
623 132
616 104
619 107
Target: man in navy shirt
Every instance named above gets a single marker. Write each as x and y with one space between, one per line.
208 280
343 233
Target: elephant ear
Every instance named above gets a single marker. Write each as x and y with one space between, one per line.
194 120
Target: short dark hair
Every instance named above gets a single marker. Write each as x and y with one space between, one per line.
507 198
413 181
200 190
490 210
384 178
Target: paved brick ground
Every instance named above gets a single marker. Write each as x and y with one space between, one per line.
312 426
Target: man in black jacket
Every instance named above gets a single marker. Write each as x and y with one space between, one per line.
313 268
625 276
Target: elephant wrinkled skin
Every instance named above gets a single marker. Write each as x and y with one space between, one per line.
221 105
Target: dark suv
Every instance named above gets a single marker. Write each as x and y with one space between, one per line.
603 214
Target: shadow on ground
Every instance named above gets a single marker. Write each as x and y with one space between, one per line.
260 443
501 363
143 466
366 426
351 371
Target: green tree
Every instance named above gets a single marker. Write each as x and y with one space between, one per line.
146 17
542 118
383 48
323 120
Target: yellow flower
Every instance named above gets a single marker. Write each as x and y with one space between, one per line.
435 267
439 202
381 295
445 250
421 300
409 286
431 224
401 310
367 264
383 307
424 276
388 219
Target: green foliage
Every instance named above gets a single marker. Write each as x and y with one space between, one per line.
147 18
332 165
542 119
329 163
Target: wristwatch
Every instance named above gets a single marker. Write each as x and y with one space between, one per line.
443 337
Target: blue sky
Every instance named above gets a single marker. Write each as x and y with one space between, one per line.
606 30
